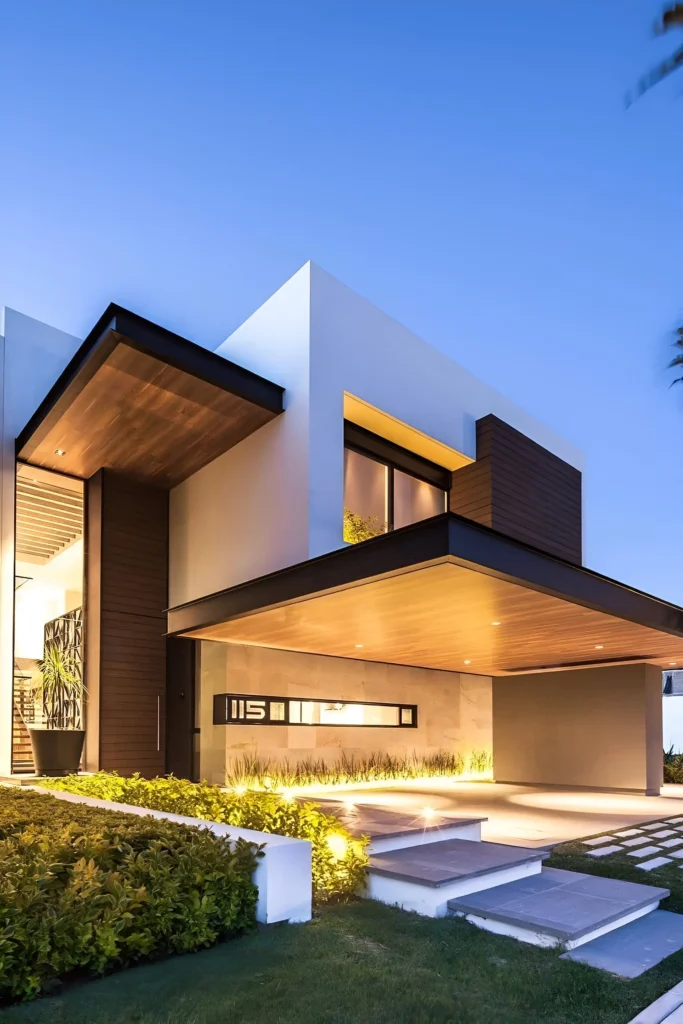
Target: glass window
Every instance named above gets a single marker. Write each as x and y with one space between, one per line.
365 497
415 500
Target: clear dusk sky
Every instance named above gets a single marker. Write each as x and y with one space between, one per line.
467 165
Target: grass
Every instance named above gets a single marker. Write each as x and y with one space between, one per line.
357 963
252 772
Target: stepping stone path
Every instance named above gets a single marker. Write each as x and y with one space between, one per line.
639 843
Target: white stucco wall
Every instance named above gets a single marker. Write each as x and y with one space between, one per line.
277 498
33 355
246 513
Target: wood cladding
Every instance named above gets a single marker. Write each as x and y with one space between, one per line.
520 489
442 616
127 594
144 418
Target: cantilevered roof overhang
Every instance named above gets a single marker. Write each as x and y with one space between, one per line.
445 593
142 400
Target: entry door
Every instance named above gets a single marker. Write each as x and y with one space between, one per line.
180 703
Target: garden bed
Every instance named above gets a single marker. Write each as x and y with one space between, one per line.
87 890
338 859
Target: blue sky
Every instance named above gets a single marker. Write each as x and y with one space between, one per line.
467 166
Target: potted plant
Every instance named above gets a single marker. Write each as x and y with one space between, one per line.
58 744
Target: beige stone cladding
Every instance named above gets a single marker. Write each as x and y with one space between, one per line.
454 710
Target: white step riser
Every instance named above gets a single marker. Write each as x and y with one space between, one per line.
432 901
542 938
383 844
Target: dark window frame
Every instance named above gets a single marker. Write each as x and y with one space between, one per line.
222 713
386 453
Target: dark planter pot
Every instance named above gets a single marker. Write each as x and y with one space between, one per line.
57 751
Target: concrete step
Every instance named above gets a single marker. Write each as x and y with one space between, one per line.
558 907
395 830
426 877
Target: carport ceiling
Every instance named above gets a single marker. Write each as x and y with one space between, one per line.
448 611
141 400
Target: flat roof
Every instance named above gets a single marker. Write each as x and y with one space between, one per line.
445 593
142 400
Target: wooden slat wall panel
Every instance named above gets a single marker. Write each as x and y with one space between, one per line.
521 489
132 625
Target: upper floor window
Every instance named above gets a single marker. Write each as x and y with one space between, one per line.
386 487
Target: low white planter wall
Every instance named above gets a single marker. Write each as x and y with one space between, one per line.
283 874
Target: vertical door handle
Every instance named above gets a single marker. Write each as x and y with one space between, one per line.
158 722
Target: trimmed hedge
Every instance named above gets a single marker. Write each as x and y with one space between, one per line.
89 889
339 861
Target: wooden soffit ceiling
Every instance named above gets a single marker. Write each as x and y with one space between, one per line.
515 610
141 400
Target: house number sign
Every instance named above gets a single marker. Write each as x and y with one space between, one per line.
255 709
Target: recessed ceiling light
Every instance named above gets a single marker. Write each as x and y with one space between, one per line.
599 647
59 451
359 645
495 623
468 661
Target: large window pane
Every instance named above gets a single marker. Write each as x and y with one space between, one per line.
415 500
365 497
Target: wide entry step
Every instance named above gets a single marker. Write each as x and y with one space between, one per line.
558 907
393 830
424 878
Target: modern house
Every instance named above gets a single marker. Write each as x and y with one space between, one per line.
323 537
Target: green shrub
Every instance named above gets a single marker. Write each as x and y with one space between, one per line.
88 889
673 766
261 773
338 861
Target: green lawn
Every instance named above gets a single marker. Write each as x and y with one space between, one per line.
362 962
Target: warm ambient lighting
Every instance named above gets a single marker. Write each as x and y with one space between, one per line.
359 645
287 795
495 623
59 451
349 805
428 813
338 845
468 661
240 790
599 647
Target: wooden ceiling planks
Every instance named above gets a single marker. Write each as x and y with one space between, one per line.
147 420
442 616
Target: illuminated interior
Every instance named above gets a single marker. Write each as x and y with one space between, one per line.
48 588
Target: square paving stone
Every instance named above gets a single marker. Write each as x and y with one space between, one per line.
603 851
638 841
598 841
656 862
636 947
644 851
571 905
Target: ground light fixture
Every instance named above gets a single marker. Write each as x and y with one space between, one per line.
428 813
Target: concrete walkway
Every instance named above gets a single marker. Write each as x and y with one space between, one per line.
523 815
